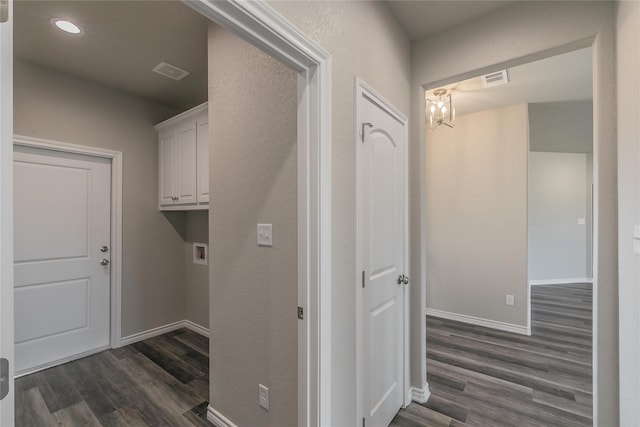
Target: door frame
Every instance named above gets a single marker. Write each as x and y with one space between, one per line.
360 89
262 26
115 309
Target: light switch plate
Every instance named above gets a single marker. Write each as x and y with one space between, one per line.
263 396
265 235
581 221
511 300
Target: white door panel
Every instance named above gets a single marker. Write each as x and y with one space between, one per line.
167 160
186 163
62 291
203 159
382 241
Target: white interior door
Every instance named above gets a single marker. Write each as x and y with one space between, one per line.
6 212
382 247
62 227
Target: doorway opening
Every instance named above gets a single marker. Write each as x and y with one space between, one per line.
478 211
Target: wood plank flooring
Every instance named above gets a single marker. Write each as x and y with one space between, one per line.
483 377
477 376
162 381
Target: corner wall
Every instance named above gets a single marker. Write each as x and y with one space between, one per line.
515 34
253 179
56 106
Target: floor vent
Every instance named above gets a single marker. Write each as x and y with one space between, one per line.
495 79
170 71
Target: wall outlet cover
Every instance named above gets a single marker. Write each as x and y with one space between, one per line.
511 300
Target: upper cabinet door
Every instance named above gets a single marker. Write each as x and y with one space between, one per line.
185 149
184 160
203 158
167 168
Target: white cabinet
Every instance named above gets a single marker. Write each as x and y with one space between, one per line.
184 160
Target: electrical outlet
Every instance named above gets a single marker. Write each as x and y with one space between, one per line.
511 300
265 235
263 396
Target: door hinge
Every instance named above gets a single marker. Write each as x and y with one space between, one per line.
363 278
300 313
4 10
4 378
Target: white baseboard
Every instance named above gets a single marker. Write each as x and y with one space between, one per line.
420 395
560 281
141 336
218 419
196 328
487 323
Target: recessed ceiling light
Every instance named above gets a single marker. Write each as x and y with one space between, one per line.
66 26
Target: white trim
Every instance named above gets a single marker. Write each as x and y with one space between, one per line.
217 419
186 114
261 25
199 329
420 395
560 281
170 327
487 323
360 89
116 217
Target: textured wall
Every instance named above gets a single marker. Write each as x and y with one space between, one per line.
55 106
518 33
254 290
364 40
476 217
628 64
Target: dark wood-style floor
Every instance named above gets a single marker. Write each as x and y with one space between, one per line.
483 377
163 381
477 376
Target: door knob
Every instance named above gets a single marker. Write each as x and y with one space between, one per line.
104 261
403 280
104 249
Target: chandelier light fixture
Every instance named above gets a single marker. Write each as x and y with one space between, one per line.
440 111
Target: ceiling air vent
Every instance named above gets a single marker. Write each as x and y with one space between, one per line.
495 79
170 71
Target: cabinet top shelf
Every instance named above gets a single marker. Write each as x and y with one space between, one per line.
176 119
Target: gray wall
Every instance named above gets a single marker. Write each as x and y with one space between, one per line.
55 106
628 64
196 279
364 40
558 247
562 127
476 216
254 290
518 33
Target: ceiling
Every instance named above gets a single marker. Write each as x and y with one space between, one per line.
423 18
566 77
124 40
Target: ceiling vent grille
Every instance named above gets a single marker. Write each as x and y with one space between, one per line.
495 79
170 71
